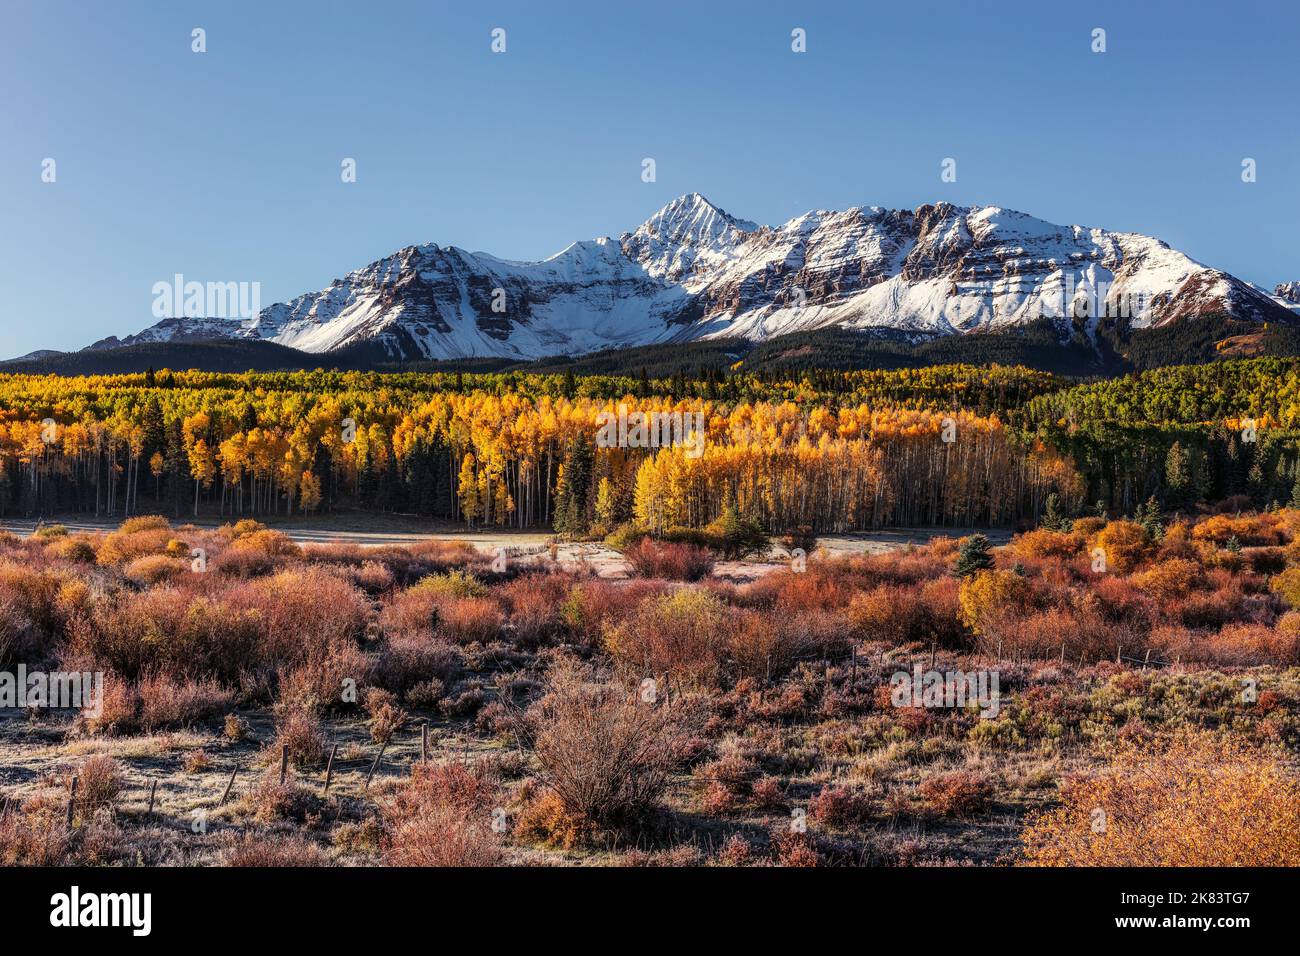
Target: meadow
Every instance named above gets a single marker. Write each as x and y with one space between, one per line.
268 703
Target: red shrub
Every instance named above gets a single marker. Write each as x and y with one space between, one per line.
675 561
442 816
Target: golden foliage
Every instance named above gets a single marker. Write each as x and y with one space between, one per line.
1196 799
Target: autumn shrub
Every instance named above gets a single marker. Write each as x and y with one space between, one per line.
442 816
99 782
300 730
1287 586
32 594
1125 545
119 708
452 584
681 635
78 550
1042 543
760 644
167 630
840 806
1244 645
155 569
1169 579
195 761
1193 799
673 561
594 604
956 793
1087 526
19 640
373 577
469 620
302 611
608 755
272 850
166 701
268 800
1119 600
319 679
535 605
144 523
546 821
386 716
405 662
885 613
235 728
1259 529
131 541
34 833
991 592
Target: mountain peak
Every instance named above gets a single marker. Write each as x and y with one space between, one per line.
692 218
694 271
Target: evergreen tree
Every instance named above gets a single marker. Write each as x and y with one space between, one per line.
1177 475
974 554
1053 518
1148 516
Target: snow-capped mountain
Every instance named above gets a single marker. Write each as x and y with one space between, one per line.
1288 295
179 329
692 271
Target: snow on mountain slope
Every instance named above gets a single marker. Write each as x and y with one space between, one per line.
180 329
1287 295
693 271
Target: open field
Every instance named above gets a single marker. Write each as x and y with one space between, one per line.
668 713
375 531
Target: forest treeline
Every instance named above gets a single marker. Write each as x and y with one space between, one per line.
1184 435
829 450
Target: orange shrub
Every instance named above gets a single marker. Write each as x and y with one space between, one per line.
1169 579
1125 543
469 620
988 592
1196 799
1264 528
1287 586
134 539
155 569
1043 543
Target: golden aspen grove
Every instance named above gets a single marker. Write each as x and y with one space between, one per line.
854 451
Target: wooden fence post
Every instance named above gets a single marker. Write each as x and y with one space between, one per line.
153 787
375 766
329 770
72 799
226 793
284 762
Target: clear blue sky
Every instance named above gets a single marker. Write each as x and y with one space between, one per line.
225 165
